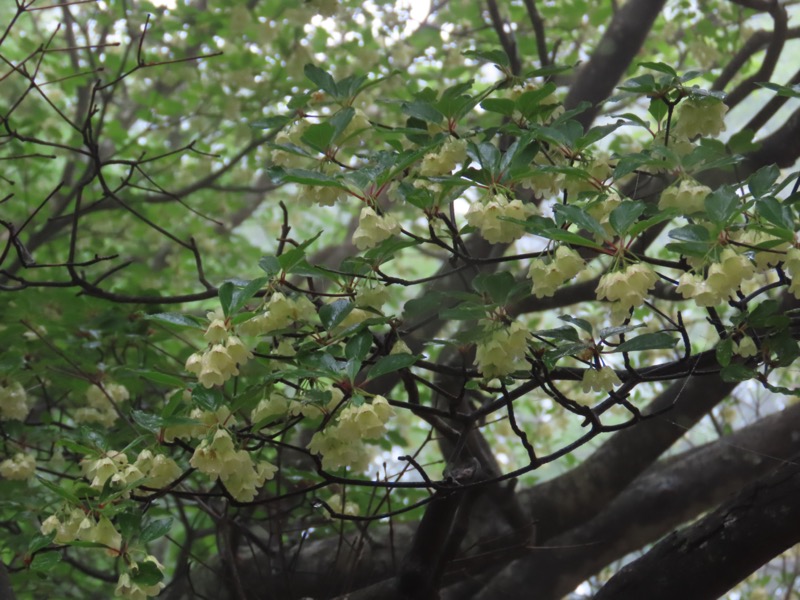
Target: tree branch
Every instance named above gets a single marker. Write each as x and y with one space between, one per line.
720 550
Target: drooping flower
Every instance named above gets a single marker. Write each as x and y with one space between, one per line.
547 277
688 197
701 116
502 351
20 467
373 228
489 217
13 402
627 287
599 380
451 153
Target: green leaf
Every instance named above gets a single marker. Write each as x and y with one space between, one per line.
40 541
608 332
341 120
503 106
776 212
59 490
424 111
44 562
155 529
321 79
242 295
596 134
391 363
660 67
736 372
582 323
658 108
577 215
226 297
296 256
762 180
724 352
722 205
466 311
643 84
426 304
147 420
319 136
691 233
276 122
494 55
567 334
498 286
270 265
784 348
487 155
176 319
629 163
647 341
625 215
764 313
207 398
146 574
281 175
159 377
334 313
787 91
359 345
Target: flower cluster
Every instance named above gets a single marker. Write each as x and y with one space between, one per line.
598 171
544 184
792 266
21 466
688 197
601 211
547 277
701 116
76 525
502 350
128 587
628 287
373 297
290 137
489 217
745 347
325 195
599 380
201 422
340 444
221 359
451 153
13 402
373 228
281 312
340 507
153 471
774 251
723 279
273 405
217 457
103 404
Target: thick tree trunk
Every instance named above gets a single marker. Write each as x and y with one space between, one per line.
708 558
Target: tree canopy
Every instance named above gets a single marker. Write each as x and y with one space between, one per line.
446 299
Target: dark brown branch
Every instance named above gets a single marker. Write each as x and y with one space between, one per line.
774 49
720 550
619 45
538 30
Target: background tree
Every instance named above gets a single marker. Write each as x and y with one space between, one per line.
462 300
